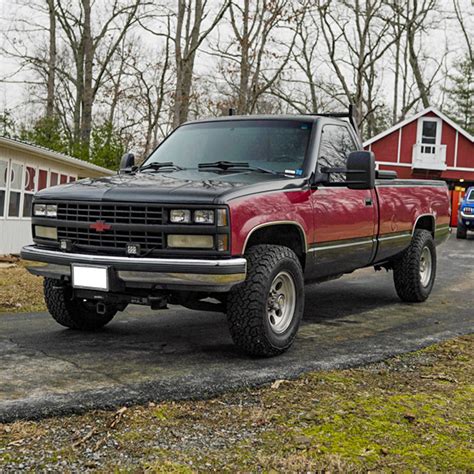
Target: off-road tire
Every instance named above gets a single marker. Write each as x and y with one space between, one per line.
72 312
461 231
247 303
406 269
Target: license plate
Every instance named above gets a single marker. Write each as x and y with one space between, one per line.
90 277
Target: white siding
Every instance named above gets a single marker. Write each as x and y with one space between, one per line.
15 231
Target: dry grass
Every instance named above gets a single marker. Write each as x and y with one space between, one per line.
410 413
19 290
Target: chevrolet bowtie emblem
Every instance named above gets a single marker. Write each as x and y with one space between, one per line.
100 226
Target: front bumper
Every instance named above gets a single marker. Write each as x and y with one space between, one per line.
157 273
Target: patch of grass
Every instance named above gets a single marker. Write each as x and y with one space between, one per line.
20 291
410 413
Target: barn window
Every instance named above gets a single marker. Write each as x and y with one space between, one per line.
16 173
3 186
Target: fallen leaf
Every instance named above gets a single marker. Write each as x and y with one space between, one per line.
276 385
85 438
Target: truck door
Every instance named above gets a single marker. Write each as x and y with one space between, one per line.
344 219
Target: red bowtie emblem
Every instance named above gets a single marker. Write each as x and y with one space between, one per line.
100 226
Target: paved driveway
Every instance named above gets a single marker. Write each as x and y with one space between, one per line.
145 355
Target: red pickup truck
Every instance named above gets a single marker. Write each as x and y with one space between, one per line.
235 214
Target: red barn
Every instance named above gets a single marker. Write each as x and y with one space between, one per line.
428 145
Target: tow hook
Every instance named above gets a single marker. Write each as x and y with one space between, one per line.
101 308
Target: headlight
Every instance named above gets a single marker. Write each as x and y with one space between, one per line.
39 210
51 210
191 241
45 210
204 217
180 216
44 232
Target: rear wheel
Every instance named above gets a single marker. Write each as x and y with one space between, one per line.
414 271
73 312
461 231
265 311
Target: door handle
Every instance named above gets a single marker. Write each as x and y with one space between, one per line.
368 201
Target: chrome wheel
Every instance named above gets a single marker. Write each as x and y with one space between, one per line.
426 265
281 302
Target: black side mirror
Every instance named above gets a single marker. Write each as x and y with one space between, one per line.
127 162
361 170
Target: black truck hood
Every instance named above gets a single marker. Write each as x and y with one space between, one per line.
187 186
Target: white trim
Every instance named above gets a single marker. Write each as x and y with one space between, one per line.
399 147
53 155
455 168
456 149
415 117
419 130
408 165
394 163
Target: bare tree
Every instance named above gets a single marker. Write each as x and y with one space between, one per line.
252 60
51 68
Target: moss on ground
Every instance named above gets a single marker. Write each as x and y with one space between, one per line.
19 290
410 413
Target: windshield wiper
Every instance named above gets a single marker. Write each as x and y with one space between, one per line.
235 165
157 166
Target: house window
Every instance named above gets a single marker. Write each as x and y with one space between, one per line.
43 179
3 185
54 179
29 188
16 172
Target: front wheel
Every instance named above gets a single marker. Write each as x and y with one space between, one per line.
265 311
74 313
414 271
461 231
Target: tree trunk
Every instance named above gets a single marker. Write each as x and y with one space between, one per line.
87 98
51 60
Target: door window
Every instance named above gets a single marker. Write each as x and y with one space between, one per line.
428 136
336 144
29 188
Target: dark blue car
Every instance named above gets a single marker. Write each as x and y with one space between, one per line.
466 214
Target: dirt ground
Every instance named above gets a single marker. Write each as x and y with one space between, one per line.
19 290
409 413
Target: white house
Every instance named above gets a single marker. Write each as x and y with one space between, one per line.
25 169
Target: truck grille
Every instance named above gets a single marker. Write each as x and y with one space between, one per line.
126 220
112 213
111 239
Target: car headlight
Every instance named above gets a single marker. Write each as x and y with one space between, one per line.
45 210
190 241
51 210
180 216
204 216
44 232
39 210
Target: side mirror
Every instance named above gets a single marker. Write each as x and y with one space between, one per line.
127 162
361 170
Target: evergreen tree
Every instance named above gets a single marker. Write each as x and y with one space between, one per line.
461 95
7 125
107 146
46 132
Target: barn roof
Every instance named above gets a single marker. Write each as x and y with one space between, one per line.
53 155
417 116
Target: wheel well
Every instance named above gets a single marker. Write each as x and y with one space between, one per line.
426 223
288 235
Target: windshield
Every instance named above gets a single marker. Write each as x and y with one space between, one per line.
278 145
471 196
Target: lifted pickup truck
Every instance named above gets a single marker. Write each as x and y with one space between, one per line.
466 214
235 214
